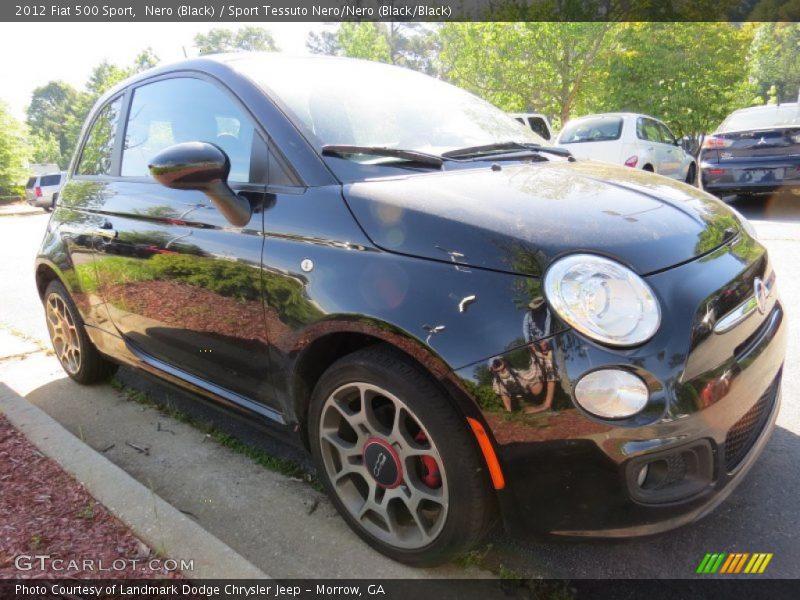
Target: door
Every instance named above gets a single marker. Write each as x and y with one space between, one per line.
181 284
672 164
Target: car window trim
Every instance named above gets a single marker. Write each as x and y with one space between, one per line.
73 172
216 82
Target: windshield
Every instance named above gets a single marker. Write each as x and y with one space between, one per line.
596 129
360 103
762 118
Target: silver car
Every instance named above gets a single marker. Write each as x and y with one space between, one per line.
42 190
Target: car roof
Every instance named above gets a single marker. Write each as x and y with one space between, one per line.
614 114
766 107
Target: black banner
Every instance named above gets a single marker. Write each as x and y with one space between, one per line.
277 11
422 589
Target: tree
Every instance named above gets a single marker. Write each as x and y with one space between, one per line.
249 39
691 75
324 42
14 152
49 117
364 40
774 61
46 150
411 45
553 68
57 110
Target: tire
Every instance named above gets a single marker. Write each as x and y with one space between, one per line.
74 350
430 459
648 168
691 174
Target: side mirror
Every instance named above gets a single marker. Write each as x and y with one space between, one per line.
204 167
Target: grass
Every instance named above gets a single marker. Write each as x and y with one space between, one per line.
87 512
273 463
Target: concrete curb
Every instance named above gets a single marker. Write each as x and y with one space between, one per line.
22 212
160 525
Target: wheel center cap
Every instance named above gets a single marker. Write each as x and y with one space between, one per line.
383 462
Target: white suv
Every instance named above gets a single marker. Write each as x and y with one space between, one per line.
629 139
42 190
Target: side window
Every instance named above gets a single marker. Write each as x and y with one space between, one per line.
185 109
99 146
650 130
666 134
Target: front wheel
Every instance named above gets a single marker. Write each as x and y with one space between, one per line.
397 459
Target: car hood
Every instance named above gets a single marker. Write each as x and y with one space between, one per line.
520 217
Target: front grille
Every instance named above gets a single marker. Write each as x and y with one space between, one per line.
746 430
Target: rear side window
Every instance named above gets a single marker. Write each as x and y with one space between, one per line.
185 109
598 129
50 180
99 146
31 183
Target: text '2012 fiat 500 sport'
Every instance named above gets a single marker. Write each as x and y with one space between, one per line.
455 318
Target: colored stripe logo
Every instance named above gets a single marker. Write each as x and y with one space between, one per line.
734 563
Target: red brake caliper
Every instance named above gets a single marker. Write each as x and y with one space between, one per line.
430 469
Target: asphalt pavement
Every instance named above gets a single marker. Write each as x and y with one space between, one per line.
289 529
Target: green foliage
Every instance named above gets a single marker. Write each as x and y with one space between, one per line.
774 62
688 74
14 154
57 110
249 39
412 45
53 117
364 40
551 68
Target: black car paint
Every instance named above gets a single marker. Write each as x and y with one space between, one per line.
430 263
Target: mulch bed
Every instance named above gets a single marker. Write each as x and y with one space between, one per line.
43 511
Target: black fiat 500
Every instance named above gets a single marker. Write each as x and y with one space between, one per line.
457 320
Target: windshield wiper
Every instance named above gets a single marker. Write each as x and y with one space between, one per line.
504 148
345 151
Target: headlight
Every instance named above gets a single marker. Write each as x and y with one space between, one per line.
611 393
602 299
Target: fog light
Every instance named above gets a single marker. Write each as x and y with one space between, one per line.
611 393
640 479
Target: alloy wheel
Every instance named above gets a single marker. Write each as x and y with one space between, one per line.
383 465
63 333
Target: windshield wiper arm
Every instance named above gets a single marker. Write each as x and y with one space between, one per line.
504 147
343 151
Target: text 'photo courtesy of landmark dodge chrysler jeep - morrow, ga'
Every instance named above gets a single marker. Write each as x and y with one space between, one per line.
458 320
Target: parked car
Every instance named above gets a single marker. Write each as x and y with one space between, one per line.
454 317
43 190
538 123
629 139
754 151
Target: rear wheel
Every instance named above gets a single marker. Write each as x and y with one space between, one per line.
397 459
72 346
648 168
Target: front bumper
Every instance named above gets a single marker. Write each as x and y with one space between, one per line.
714 401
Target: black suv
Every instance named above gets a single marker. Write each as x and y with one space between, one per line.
454 317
